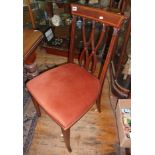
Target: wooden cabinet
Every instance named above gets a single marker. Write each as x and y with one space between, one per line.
40 13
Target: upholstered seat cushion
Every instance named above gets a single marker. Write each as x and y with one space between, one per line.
66 93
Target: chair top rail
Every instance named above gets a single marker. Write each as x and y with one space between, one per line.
99 15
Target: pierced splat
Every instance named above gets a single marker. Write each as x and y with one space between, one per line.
89 57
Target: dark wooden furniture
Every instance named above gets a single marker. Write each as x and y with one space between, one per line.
118 6
31 40
121 88
67 92
27 3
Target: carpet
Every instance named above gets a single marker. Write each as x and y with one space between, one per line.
29 123
29 113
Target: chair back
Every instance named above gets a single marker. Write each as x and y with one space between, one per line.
100 22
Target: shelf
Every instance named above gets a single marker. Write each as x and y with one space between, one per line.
59 51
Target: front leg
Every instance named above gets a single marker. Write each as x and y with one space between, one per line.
66 135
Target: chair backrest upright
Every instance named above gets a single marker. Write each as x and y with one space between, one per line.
88 58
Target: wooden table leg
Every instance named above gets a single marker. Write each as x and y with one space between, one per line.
31 66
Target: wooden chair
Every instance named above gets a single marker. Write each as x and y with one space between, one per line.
67 92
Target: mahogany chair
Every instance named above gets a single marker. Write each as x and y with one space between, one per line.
67 92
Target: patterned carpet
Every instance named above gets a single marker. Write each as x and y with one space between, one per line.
29 123
29 113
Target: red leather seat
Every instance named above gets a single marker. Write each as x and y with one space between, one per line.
66 93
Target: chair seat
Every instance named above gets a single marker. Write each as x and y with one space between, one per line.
66 93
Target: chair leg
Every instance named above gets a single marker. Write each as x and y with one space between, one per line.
66 135
98 103
36 106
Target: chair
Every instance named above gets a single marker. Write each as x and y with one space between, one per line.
67 92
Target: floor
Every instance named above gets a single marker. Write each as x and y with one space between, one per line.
94 134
